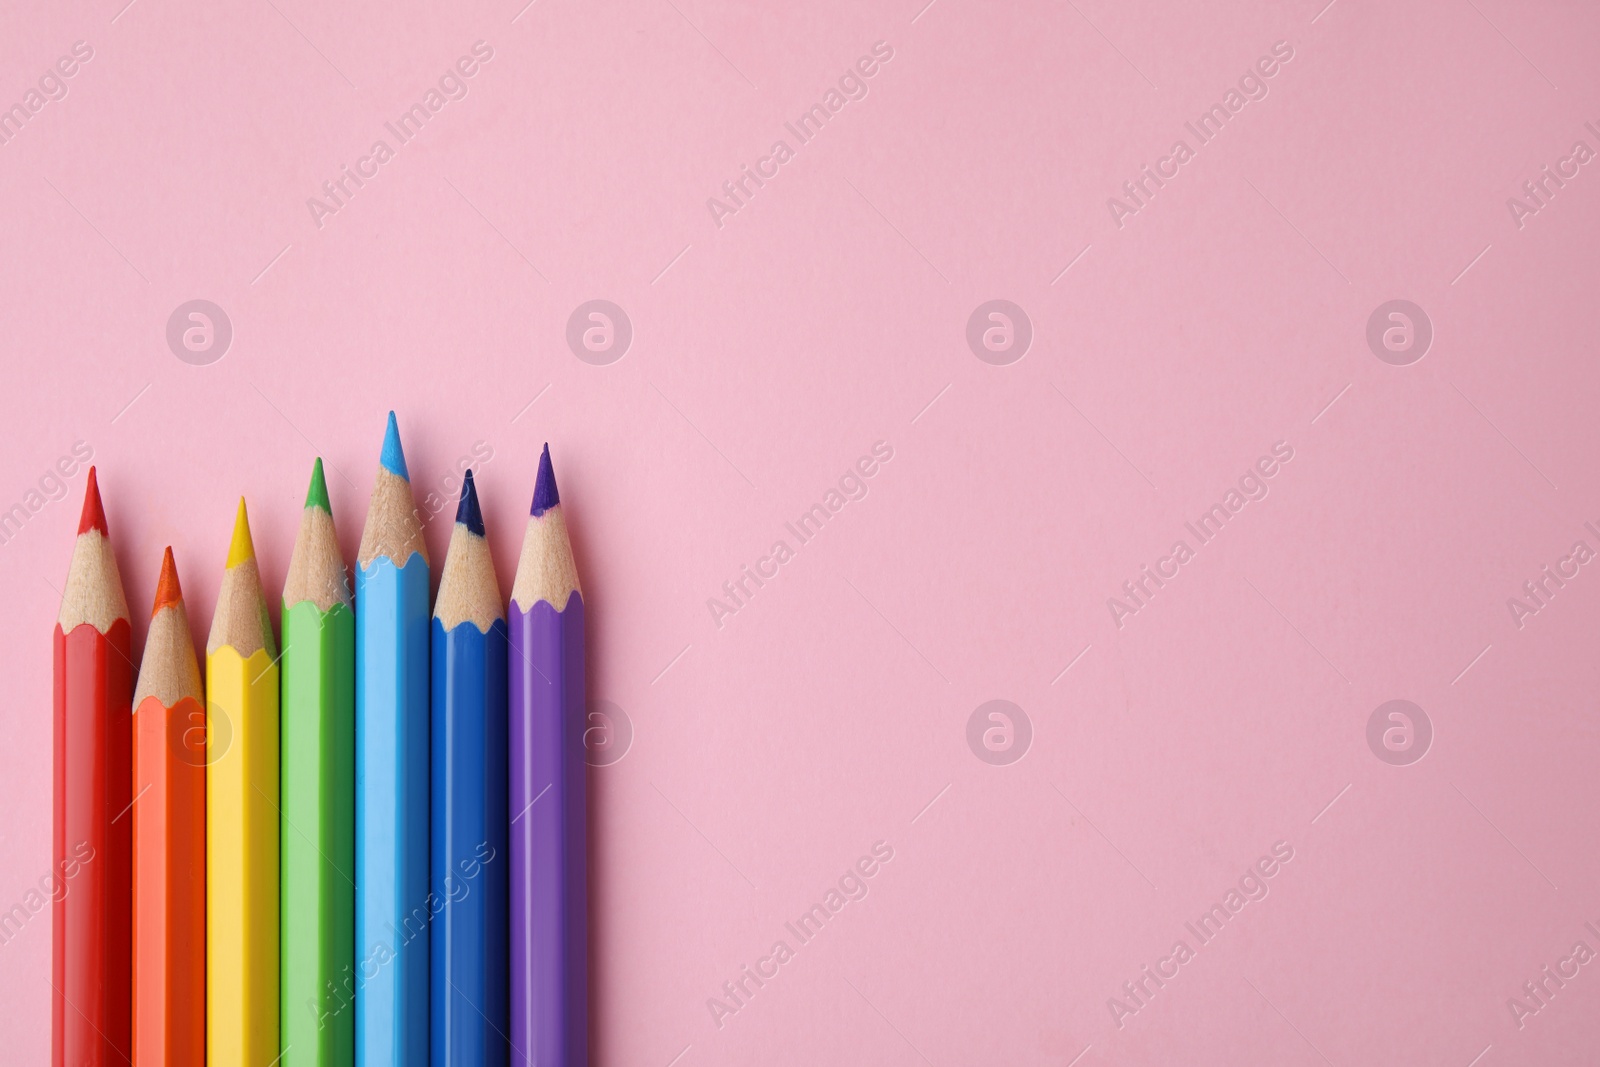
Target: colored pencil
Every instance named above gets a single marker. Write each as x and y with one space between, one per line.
319 795
468 995
91 876
169 839
549 911
393 908
241 818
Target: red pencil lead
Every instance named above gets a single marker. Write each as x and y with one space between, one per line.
94 513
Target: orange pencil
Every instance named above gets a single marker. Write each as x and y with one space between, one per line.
169 840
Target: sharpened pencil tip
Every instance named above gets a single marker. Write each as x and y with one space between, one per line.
468 513
317 491
545 495
168 591
94 513
393 458
242 550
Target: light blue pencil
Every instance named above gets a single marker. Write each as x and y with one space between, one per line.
393 905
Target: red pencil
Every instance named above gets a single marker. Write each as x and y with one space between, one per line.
92 966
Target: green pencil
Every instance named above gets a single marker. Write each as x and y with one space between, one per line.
318 789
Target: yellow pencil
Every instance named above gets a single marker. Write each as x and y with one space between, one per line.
241 818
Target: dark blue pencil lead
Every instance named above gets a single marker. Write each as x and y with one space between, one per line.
468 513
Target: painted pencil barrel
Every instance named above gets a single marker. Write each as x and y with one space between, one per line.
549 912
469 880
169 932
392 906
242 859
318 836
91 880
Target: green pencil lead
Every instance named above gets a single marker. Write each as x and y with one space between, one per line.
317 492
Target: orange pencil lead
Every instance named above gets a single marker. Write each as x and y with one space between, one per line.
168 592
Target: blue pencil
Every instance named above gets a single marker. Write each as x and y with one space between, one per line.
393 907
468 997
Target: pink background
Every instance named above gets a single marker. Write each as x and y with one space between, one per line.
828 313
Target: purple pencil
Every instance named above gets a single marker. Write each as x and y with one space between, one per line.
549 891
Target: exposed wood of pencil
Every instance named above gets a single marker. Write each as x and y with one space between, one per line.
393 528
468 588
169 670
241 621
94 586
545 570
316 569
